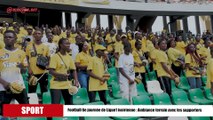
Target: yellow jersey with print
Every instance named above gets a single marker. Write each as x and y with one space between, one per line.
209 71
83 58
30 52
153 56
119 48
9 61
173 55
61 64
198 46
96 65
192 63
181 46
109 40
204 52
162 57
56 39
136 54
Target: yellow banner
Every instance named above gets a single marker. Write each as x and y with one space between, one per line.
65 2
101 2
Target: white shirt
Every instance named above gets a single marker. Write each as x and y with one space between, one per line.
127 63
44 39
52 47
75 50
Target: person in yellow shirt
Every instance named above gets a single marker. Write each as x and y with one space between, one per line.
180 45
176 57
81 62
193 62
110 40
61 67
68 36
37 47
198 42
12 63
204 52
152 55
138 62
210 71
164 71
96 71
119 49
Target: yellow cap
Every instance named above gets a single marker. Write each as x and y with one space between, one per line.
99 47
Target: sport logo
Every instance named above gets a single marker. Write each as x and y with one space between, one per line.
21 10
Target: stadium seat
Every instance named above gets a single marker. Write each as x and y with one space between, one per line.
180 98
196 95
161 99
174 88
108 97
153 87
141 100
113 78
81 97
97 97
116 91
152 75
199 118
95 103
141 90
112 70
183 84
46 98
33 98
66 118
122 101
204 79
208 94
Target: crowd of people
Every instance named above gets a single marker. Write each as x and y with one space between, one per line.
82 56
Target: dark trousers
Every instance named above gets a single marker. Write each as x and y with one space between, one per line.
177 69
43 84
102 95
6 97
56 96
143 79
165 83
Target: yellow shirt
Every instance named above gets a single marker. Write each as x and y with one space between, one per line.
204 52
19 40
162 57
153 55
41 49
63 35
173 55
119 48
132 42
61 67
181 47
96 65
71 40
23 31
209 73
1 37
144 45
110 39
2 45
150 46
138 60
56 38
8 65
192 63
82 58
